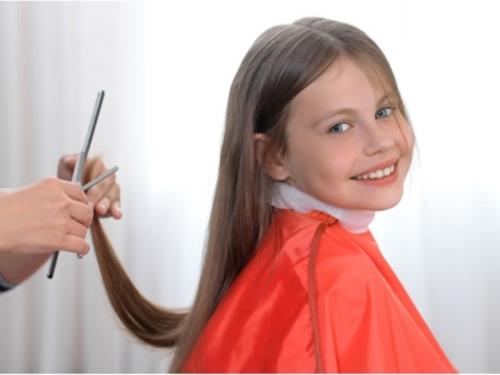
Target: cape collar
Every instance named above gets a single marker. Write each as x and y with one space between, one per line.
287 196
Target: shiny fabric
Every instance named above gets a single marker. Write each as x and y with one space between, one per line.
316 298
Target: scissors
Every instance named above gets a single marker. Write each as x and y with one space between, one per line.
80 163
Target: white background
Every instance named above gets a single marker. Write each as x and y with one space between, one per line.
166 68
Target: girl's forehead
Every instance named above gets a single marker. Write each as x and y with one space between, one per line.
342 85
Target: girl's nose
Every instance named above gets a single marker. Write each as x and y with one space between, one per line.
379 137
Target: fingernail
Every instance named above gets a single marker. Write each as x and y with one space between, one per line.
69 158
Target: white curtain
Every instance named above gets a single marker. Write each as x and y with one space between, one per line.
166 68
54 59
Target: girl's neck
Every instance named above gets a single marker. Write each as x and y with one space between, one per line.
287 196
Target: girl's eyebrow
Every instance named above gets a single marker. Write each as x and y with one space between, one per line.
387 97
350 111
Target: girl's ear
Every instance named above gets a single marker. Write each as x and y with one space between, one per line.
274 165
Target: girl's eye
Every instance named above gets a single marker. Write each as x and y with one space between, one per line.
341 127
384 112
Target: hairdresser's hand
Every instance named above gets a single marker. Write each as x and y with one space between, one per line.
40 218
105 195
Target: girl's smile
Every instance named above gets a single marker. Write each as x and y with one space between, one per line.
347 143
381 174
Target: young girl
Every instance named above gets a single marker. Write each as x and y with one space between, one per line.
317 139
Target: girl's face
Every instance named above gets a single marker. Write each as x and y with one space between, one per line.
348 144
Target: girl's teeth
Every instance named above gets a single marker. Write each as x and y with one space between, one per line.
381 173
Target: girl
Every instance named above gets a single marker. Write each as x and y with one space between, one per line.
317 139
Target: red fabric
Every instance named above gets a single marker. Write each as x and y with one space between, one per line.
316 298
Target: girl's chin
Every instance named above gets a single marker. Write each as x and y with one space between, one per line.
380 203
366 200
387 205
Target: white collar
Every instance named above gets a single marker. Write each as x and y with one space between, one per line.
287 196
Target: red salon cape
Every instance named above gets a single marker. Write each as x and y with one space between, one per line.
316 298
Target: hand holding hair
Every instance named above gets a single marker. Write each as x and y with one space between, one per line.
52 214
106 195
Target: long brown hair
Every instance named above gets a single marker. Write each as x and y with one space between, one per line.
281 63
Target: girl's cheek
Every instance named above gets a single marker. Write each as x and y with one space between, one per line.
405 137
410 140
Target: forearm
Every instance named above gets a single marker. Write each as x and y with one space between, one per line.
16 267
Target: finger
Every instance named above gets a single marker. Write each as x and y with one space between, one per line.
114 193
102 207
77 229
93 168
116 210
102 189
74 192
70 161
66 166
75 244
82 213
